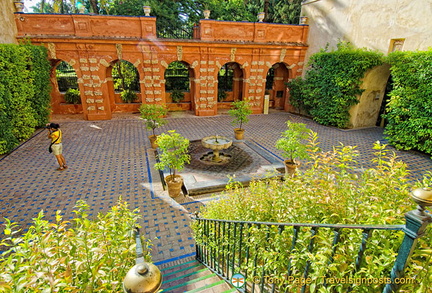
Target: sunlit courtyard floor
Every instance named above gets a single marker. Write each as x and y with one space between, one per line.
112 159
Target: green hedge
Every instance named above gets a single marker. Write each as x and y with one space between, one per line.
24 92
409 112
332 83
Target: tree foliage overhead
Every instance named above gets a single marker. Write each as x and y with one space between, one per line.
172 14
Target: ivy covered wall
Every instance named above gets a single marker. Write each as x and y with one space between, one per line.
331 86
24 92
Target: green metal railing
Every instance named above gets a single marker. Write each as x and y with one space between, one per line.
289 257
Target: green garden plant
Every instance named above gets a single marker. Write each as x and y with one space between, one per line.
177 96
81 255
72 96
153 115
128 96
222 95
330 190
292 142
175 152
240 112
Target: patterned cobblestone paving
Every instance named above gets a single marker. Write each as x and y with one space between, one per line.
109 159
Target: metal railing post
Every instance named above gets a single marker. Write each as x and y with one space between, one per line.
416 223
143 277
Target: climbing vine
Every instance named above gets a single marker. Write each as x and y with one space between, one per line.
332 83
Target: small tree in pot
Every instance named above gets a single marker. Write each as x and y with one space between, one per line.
175 154
153 116
240 112
292 145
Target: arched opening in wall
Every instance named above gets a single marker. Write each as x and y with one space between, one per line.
65 94
381 122
179 85
276 79
125 82
366 112
230 84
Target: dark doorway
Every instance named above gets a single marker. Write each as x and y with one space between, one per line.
381 122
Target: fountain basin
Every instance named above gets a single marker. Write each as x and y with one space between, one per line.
216 142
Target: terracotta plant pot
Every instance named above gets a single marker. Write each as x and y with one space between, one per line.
291 168
152 139
174 185
239 133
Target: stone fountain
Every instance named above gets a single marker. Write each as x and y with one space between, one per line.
216 143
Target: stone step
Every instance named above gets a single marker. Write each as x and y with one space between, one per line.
191 276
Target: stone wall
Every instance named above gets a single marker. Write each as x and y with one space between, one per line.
385 26
91 44
7 24
369 23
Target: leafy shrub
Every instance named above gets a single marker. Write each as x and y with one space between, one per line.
128 96
82 256
240 112
175 152
24 92
332 83
72 96
328 191
409 112
153 116
296 94
292 143
177 95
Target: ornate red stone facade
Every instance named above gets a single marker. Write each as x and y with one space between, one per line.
91 44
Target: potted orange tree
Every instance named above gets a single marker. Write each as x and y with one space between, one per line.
153 116
175 154
240 112
292 145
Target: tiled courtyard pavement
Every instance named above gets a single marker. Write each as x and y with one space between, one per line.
108 159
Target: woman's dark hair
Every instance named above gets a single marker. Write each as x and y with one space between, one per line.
54 125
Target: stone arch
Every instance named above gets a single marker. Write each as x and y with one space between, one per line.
179 75
366 112
121 76
63 77
276 78
230 84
